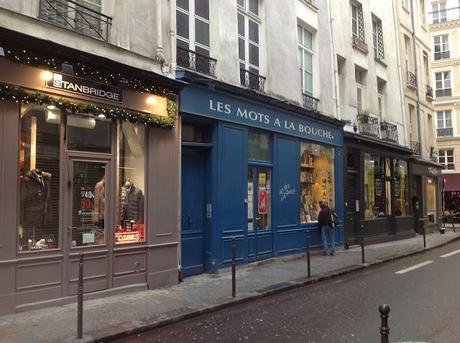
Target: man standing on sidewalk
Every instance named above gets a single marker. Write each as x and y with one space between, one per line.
327 228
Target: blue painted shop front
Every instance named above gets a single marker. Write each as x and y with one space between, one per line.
254 172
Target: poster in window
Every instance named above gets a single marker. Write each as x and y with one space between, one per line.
262 180
397 188
86 206
263 202
378 187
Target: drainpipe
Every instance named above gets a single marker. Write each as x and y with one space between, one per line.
338 115
416 76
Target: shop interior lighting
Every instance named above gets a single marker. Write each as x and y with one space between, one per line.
2 52
51 107
53 117
101 115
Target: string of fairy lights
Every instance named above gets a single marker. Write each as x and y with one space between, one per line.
19 95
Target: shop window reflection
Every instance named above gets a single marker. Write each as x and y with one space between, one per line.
374 186
401 188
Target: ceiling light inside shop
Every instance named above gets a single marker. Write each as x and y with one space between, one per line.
151 100
51 107
100 115
83 122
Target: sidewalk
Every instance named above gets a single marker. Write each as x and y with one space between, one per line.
114 315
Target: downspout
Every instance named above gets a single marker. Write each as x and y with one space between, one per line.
416 76
337 113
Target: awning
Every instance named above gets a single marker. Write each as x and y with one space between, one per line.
452 182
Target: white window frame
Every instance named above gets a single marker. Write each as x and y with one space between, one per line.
444 40
304 51
192 16
439 12
377 35
443 153
248 15
443 80
358 19
443 116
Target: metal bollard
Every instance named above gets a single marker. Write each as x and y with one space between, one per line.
384 329
308 256
363 260
233 267
80 299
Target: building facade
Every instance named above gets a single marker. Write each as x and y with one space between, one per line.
260 143
89 144
444 23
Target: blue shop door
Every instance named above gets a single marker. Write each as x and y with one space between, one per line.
193 207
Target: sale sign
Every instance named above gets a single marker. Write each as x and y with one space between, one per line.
263 202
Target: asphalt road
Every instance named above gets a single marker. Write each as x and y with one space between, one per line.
424 302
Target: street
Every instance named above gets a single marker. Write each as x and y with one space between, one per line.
422 292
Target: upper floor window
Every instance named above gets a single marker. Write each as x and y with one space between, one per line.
444 122
377 34
360 79
443 84
439 12
192 19
357 21
84 16
381 85
446 157
422 12
305 46
441 47
249 43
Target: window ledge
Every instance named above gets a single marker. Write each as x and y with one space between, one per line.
310 4
380 61
361 46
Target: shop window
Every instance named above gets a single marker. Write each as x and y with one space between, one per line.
431 199
401 188
259 146
316 180
374 193
259 198
131 183
88 133
39 152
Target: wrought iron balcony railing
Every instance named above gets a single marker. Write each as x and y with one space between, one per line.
389 131
360 44
443 92
74 16
309 102
192 60
368 125
429 92
415 147
411 80
446 132
252 80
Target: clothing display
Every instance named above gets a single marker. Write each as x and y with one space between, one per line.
132 203
99 202
35 208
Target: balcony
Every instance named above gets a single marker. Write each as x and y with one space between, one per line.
309 102
411 80
443 92
389 132
429 92
368 125
252 80
446 132
76 17
444 15
415 147
192 60
360 44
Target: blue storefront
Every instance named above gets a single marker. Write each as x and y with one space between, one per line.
253 171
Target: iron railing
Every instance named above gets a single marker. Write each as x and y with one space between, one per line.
415 147
444 15
309 102
360 44
368 125
445 132
252 80
411 80
192 60
389 131
429 92
443 92
74 16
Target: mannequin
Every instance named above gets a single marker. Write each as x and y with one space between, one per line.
99 203
132 204
35 206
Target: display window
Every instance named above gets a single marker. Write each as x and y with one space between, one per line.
401 188
39 153
131 183
316 180
90 150
431 198
259 198
374 186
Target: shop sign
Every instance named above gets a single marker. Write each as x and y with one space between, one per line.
127 236
222 107
72 84
285 191
434 171
263 202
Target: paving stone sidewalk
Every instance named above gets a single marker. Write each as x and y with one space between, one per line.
123 313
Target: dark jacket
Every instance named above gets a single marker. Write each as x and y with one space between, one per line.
132 204
324 217
35 207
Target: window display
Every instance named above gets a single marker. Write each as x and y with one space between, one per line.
401 188
374 186
131 155
316 180
431 198
259 204
39 151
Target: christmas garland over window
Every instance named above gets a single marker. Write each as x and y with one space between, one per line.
19 95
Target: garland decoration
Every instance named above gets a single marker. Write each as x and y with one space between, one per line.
19 95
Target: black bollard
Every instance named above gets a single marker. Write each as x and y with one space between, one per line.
80 299
363 260
424 236
308 256
384 329
233 267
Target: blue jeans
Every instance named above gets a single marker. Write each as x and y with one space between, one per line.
326 230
